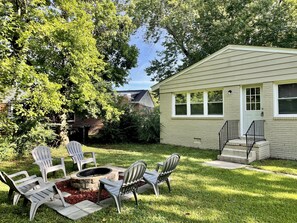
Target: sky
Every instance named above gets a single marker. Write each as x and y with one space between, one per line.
138 80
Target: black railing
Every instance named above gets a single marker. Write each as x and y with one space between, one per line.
255 133
228 131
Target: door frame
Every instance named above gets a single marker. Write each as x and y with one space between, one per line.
242 104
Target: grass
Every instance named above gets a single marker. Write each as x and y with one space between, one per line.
277 165
199 193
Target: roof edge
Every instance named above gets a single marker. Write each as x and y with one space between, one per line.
234 47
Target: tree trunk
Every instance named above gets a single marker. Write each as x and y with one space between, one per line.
64 130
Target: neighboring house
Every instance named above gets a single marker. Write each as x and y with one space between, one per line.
140 99
84 127
241 83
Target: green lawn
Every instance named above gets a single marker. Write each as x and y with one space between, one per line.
199 193
277 165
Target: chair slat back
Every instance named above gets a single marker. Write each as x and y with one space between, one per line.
42 156
74 149
132 176
10 183
169 166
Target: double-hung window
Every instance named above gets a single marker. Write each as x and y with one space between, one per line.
199 103
181 104
287 99
215 103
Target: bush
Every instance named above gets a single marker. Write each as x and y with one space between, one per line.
149 131
133 126
20 135
39 133
7 149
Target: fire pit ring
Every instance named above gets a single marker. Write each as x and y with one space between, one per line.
88 179
98 171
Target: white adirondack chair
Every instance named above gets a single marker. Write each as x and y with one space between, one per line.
155 177
24 184
44 160
44 193
132 176
75 152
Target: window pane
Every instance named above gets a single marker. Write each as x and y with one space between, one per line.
215 96
248 91
248 99
248 106
181 109
253 106
287 90
196 109
288 106
257 90
253 99
197 97
258 107
215 108
257 98
252 90
181 98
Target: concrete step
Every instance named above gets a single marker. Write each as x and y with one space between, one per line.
241 144
236 159
237 152
237 156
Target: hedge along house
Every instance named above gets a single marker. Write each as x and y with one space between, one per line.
241 100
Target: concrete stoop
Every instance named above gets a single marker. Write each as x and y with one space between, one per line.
235 151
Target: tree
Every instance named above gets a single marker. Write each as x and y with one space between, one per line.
190 30
59 57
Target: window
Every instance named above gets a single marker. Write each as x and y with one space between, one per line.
287 99
215 102
181 104
197 103
200 103
253 101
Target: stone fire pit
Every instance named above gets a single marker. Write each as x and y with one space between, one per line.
88 179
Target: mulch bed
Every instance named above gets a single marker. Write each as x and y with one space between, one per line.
78 196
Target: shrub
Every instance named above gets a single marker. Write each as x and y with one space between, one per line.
133 126
149 131
7 149
39 133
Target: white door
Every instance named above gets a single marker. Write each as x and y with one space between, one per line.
252 106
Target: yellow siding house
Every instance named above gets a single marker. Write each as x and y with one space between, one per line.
245 94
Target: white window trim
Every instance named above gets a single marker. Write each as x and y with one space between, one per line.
275 100
205 105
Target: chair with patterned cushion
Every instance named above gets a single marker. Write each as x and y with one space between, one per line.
24 183
43 193
155 177
132 176
78 156
44 160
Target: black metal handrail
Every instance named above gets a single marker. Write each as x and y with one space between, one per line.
255 133
228 131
